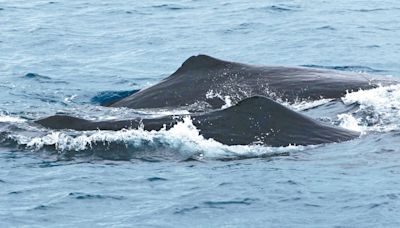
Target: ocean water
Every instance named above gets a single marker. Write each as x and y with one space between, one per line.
68 56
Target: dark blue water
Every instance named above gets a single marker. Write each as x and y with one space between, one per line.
70 56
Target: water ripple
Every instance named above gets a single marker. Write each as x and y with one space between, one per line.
152 179
360 69
218 205
84 196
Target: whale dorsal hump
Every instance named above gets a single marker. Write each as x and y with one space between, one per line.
260 119
201 62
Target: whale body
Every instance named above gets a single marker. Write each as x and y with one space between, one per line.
255 120
256 115
206 81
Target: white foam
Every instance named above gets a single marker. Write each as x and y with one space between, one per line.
69 99
228 102
11 119
304 105
379 109
350 122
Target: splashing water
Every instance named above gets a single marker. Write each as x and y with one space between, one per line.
304 105
379 109
10 119
227 99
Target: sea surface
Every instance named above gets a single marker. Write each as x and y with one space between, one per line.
67 57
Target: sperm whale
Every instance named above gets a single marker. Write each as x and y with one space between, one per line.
254 120
206 82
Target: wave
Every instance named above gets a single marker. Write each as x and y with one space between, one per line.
43 78
10 119
378 110
171 7
302 105
106 98
357 69
34 75
278 8
375 9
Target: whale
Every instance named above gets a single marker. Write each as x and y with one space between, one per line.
255 120
204 82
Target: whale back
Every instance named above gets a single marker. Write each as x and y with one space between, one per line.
207 80
255 120
264 121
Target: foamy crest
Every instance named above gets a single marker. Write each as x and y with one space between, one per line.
304 105
379 109
10 119
183 138
349 122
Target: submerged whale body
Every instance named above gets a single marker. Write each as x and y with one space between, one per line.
206 80
258 120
